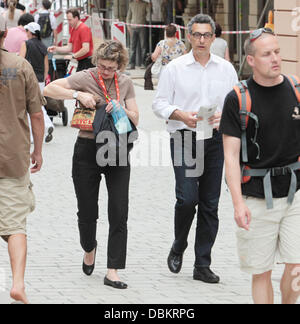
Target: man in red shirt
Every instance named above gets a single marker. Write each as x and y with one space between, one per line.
80 42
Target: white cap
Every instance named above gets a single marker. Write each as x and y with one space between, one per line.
2 24
33 27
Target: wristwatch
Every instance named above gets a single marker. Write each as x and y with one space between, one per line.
73 56
75 95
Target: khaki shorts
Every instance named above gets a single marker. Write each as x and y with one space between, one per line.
274 235
16 202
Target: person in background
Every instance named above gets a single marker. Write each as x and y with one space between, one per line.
47 21
80 42
35 53
12 15
157 18
219 46
19 95
137 14
170 48
16 36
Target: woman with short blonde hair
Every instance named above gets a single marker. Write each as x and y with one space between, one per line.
94 88
112 51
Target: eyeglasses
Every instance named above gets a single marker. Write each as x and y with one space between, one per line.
205 35
258 32
108 69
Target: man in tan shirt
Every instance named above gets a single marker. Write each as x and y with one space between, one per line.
19 95
137 14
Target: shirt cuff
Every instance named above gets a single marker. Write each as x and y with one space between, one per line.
170 111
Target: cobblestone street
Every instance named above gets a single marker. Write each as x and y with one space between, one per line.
54 274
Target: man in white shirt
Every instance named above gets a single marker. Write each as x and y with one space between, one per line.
198 79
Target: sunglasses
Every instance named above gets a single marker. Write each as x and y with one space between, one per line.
258 32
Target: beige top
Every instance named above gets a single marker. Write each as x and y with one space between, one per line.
83 81
137 12
13 22
19 94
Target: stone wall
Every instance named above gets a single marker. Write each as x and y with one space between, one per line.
287 27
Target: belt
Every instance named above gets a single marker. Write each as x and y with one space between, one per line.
266 174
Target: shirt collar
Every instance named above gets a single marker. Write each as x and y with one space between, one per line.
191 59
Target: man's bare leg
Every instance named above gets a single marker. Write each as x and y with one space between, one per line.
17 249
290 284
262 288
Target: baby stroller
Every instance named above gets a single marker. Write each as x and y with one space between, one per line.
56 107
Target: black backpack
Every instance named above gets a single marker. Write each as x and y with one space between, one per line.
45 23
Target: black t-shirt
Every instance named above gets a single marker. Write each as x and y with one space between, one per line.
278 133
35 55
18 6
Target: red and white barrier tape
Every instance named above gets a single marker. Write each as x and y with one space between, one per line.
58 13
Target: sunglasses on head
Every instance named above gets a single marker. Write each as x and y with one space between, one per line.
258 32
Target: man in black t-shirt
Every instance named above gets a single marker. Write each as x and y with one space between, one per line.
263 233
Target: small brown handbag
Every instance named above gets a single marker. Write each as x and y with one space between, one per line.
83 118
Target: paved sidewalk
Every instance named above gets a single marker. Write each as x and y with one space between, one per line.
54 273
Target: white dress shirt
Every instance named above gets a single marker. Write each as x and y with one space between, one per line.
186 85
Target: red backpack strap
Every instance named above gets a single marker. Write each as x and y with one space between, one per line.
295 82
245 104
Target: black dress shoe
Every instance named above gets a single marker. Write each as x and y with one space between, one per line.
175 261
115 284
89 269
206 275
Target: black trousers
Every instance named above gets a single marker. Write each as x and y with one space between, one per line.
84 64
86 178
202 192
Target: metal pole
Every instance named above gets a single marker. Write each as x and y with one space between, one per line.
257 26
174 11
150 29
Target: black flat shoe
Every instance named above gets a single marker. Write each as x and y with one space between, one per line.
175 261
49 136
206 275
115 284
89 269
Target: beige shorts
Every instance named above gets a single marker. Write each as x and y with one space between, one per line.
274 235
16 202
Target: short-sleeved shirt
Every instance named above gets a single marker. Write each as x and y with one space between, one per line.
19 94
79 36
83 81
15 38
278 134
170 53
